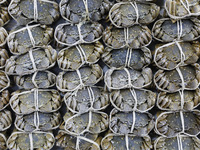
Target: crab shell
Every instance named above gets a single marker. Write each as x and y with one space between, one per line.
5 17
126 99
38 121
81 10
172 101
169 124
89 98
4 99
126 142
176 9
39 79
126 14
3 37
3 140
165 30
73 80
175 54
118 58
37 59
136 1
23 11
4 81
73 58
22 140
93 122
25 102
84 142
22 40
3 57
170 81
70 35
134 37
184 141
123 122
6 120
126 78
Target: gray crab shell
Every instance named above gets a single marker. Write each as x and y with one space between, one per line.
4 81
4 99
3 36
6 120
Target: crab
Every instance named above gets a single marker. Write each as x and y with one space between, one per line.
5 17
42 100
89 98
36 59
176 54
38 121
22 40
133 100
182 78
3 36
4 81
82 10
126 14
4 99
126 142
3 57
126 78
73 80
136 123
170 124
39 79
165 30
6 120
179 9
74 57
3 140
30 141
41 11
127 57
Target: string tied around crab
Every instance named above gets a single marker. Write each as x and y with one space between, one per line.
85 139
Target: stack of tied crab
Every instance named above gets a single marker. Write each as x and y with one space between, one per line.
178 76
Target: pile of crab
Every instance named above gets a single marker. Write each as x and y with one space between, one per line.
178 77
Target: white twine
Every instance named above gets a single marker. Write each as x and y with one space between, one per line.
89 122
82 54
127 142
36 120
179 140
129 78
134 5
32 60
36 99
30 35
179 29
79 32
31 141
88 140
86 8
128 57
92 97
134 109
35 10
186 6
77 143
33 80
80 78
129 60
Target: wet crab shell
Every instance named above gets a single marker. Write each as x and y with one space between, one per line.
126 78
3 57
89 98
92 122
3 140
6 120
39 79
184 141
165 30
37 59
169 124
123 122
4 81
22 40
73 58
25 102
22 140
3 36
175 54
126 57
172 101
126 14
70 35
81 10
23 11
126 142
73 80
4 99
176 9
126 99
171 81
38 121
5 17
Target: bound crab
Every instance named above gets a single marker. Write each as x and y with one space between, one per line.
176 54
6 120
36 59
4 99
39 79
3 140
3 57
165 30
131 58
41 11
3 36
73 80
185 77
133 100
127 78
134 37
38 121
70 35
82 10
35 140
5 17
126 14
136 123
89 98
126 142
26 102
20 41
73 58
4 81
